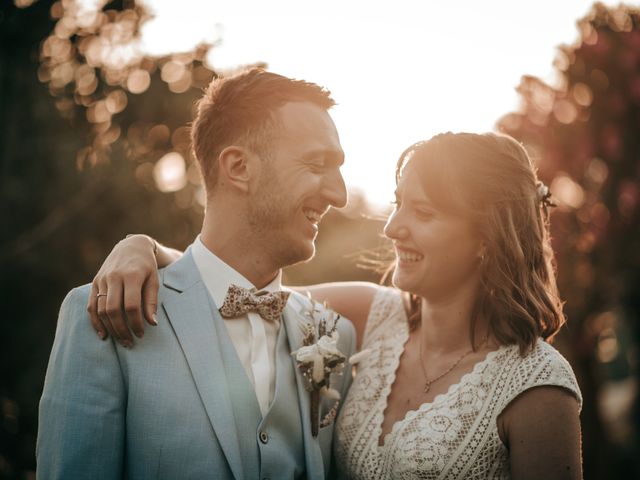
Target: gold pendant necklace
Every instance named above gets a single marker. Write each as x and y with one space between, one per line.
427 382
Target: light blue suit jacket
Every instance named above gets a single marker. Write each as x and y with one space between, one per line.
163 408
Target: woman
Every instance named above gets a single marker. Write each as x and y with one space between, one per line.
457 379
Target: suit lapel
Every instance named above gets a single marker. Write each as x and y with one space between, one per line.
292 319
189 309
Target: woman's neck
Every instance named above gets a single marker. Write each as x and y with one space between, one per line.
445 324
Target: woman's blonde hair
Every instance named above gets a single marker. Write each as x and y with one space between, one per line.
490 180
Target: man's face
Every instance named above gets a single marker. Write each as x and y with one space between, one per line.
298 183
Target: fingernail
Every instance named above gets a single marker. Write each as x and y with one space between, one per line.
154 319
140 334
101 335
126 344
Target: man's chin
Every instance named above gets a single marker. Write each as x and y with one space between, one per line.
300 254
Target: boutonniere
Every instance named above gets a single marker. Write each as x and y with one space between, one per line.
318 358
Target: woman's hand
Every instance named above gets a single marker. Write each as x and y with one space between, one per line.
126 288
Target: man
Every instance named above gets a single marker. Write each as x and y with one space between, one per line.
205 396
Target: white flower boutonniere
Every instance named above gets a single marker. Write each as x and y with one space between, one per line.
318 358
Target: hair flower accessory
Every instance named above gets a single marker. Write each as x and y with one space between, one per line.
543 195
318 358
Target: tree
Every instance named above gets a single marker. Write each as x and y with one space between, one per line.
94 145
79 169
585 134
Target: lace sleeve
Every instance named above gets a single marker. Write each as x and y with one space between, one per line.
387 310
543 366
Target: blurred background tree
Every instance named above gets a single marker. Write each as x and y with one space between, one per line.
585 134
95 145
76 174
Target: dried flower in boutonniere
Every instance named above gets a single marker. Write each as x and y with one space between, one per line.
318 358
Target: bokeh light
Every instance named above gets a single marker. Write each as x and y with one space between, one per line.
169 172
567 191
124 80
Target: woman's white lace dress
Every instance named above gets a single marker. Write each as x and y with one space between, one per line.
455 436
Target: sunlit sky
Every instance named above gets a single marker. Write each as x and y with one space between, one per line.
400 71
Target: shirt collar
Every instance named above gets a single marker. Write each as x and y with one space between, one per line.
218 275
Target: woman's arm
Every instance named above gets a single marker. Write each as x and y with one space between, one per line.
129 278
350 299
541 429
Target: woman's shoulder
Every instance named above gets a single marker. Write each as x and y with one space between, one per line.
542 365
553 362
386 294
546 351
388 300
388 309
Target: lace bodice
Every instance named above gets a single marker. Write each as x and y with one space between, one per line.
453 437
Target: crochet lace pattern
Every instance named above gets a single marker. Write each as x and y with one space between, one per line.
453 437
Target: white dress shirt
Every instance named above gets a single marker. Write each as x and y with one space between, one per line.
253 337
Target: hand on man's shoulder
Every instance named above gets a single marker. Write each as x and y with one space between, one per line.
73 315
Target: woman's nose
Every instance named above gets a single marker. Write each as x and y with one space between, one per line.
395 227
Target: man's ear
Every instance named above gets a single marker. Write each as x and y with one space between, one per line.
235 167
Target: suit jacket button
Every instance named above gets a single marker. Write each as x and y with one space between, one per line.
264 438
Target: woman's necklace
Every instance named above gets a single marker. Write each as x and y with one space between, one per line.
427 382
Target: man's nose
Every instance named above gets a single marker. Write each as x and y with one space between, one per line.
335 190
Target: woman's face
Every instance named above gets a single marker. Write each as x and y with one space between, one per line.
437 253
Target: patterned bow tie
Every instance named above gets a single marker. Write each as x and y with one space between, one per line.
241 300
